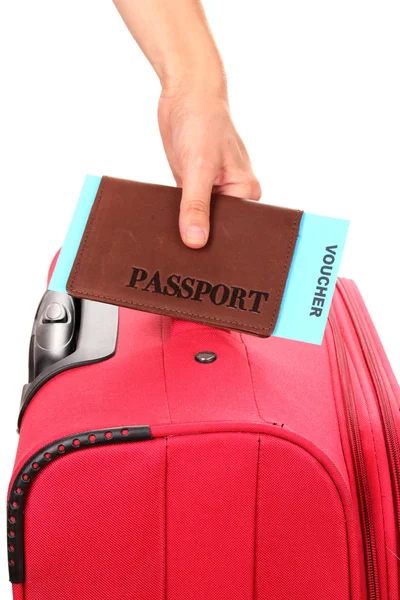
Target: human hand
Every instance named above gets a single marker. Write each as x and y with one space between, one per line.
205 154
202 145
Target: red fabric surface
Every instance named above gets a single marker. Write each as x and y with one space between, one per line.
211 502
248 492
95 525
375 452
301 539
212 516
18 592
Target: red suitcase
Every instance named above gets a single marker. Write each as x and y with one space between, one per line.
177 461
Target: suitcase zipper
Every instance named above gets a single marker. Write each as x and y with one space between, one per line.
364 494
381 394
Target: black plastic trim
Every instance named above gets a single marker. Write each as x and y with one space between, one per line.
37 462
96 340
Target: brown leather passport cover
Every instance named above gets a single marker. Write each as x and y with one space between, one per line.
131 254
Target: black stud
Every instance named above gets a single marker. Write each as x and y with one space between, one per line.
206 357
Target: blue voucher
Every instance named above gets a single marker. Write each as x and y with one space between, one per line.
311 281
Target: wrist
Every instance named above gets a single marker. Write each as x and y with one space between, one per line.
197 76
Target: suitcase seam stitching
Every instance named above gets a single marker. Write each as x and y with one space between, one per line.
330 363
166 523
336 407
164 369
256 519
379 477
252 379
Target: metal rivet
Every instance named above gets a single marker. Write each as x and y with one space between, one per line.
205 357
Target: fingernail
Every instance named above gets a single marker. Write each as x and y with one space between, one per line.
195 235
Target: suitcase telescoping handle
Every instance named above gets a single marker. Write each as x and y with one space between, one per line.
67 333
54 332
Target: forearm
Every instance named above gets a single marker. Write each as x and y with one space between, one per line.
175 37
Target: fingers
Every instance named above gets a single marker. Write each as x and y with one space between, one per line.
249 189
194 219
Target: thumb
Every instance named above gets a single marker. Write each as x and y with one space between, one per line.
194 218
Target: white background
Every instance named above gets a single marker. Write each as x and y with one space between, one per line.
315 94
